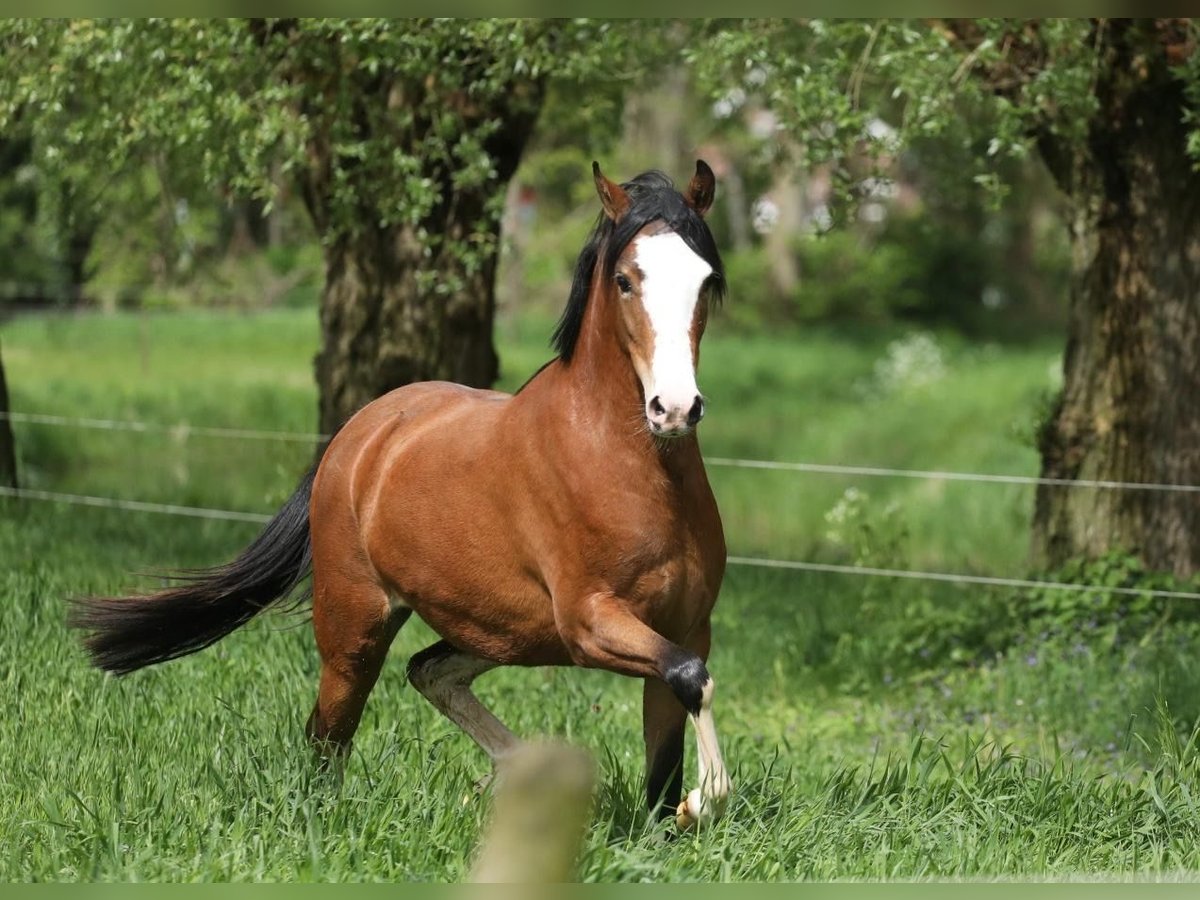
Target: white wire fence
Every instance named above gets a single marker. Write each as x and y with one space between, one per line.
181 430
197 512
184 430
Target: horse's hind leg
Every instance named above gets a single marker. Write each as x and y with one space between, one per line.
443 675
354 625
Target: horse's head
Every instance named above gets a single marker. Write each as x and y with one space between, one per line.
655 260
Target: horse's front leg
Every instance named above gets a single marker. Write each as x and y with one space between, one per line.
709 799
664 721
603 633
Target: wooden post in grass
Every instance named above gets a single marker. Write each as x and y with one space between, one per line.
543 798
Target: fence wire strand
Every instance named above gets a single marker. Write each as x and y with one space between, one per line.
937 475
171 509
184 430
953 577
749 561
181 430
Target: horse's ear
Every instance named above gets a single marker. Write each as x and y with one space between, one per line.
701 189
612 196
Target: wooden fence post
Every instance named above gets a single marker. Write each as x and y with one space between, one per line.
543 800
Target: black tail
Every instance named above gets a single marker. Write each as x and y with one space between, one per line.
127 633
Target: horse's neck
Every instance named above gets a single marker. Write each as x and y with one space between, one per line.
598 393
600 378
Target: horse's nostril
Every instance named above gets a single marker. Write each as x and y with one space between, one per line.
696 413
657 408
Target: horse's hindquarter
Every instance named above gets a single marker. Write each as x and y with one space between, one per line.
441 512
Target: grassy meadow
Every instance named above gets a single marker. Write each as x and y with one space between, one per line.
876 729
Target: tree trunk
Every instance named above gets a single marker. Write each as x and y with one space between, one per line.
384 324
398 309
1130 407
8 448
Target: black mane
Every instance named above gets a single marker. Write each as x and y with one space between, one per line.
652 198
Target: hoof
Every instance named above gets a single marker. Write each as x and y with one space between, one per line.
691 811
696 809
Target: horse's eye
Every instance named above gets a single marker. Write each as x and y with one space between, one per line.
624 284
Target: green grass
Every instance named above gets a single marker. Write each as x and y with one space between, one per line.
853 756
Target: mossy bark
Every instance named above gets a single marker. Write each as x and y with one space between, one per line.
386 322
404 303
1130 406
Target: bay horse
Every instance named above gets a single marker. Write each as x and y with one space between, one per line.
571 523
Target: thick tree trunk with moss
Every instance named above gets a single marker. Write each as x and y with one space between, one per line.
8 449
387 319
399 307
1130 407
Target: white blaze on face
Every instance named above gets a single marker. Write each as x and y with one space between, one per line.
672 275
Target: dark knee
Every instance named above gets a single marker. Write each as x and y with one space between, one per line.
687 676
418 672
422 667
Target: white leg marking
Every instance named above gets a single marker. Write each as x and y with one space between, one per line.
707 802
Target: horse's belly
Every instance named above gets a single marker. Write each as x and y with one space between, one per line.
497 615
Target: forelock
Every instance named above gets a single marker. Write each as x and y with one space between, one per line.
652 198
